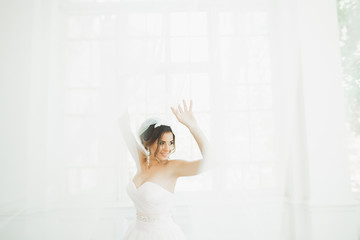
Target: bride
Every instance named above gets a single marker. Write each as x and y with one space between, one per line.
152 188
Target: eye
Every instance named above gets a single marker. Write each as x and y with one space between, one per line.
161 143
171 143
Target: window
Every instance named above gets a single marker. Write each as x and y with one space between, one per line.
203 55
350 50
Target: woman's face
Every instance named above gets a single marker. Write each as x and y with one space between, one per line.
166 146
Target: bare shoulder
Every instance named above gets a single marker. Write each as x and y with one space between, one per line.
181 168
176 163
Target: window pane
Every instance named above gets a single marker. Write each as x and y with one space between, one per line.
258 60
269 175
155 24
155 87
234 178
80 144
108 26
198 23
261 125
83 26
89 178
200 88
233 56
259 23
260 97
242 23
236 128
78 64
251 176
107 180
226 23
180 87
179 24
199 49
179 49
236 98
136 24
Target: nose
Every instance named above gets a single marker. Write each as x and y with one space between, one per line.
166 147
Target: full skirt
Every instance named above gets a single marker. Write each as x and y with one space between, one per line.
154 231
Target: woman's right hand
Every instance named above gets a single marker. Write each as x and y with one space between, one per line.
185 115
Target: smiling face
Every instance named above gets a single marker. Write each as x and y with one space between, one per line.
160 141
163 147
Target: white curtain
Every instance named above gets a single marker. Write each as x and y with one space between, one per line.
265 80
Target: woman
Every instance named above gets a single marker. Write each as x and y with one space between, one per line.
152 188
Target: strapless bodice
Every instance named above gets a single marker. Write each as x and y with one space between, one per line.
151 200
154 219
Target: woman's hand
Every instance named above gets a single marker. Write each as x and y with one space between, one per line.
184 114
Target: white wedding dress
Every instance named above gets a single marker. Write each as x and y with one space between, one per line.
154 220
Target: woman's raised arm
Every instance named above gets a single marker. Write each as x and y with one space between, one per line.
136 150
185 116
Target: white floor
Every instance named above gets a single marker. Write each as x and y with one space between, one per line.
320 223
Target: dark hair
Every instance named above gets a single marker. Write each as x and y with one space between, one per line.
152 134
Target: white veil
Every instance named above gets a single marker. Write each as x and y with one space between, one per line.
264 77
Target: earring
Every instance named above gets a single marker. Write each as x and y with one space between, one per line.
148 159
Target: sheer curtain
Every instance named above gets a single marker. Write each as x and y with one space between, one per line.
264 77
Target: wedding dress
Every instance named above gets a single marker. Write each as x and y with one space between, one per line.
154 220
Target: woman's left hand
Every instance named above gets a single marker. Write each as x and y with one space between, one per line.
184 114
